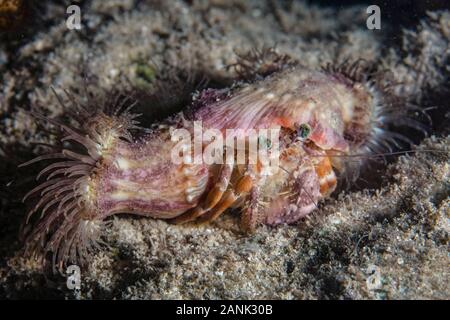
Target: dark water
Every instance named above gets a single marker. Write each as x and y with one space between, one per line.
400 13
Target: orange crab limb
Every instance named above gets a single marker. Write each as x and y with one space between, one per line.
327 178
243 186
212 199
190 215
249 217
227 201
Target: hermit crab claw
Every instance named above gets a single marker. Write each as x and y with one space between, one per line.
299 202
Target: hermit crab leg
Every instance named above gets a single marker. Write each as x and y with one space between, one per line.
249 216
327 177
217 192
243 186
212 199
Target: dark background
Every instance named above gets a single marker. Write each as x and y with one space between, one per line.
396 12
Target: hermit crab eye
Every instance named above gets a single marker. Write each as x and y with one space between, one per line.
264 142
303 131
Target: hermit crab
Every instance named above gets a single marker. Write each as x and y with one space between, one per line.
319 116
